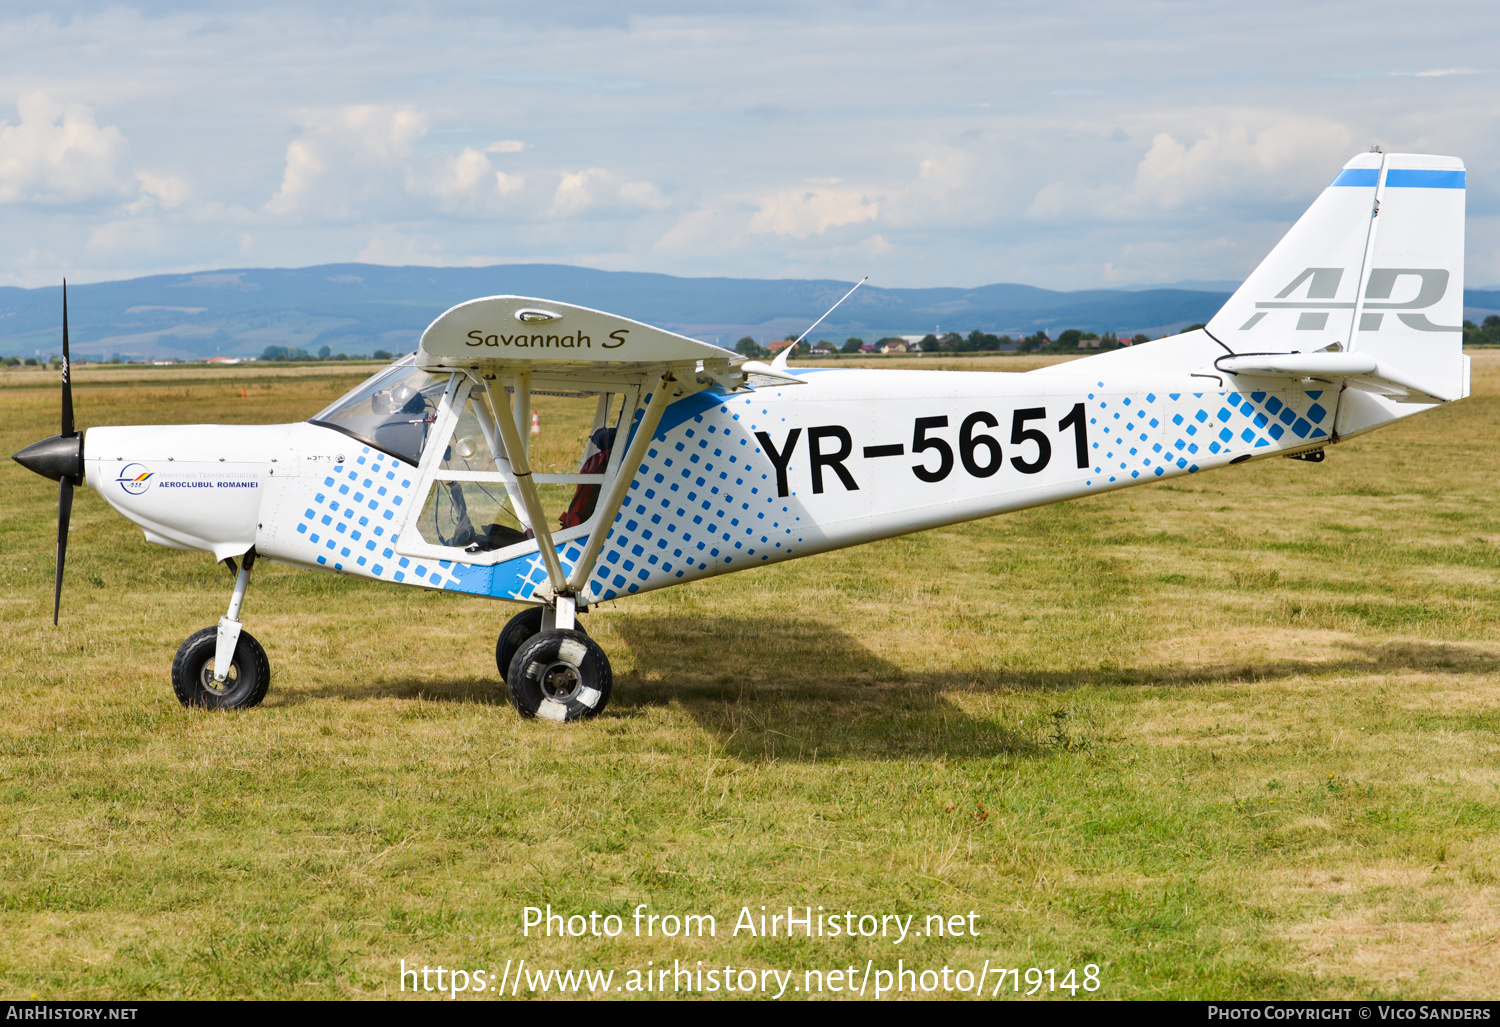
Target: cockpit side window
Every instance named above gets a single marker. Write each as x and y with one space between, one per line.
393 411
473 501
473 504
476 442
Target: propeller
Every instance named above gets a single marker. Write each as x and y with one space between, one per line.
61 459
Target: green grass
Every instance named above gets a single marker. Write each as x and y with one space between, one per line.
1233 736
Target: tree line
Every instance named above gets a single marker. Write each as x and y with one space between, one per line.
1487 333
975 342
273 353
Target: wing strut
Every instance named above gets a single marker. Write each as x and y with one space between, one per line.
609 506
520 464
522 383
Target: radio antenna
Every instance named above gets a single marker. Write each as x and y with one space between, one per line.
781 358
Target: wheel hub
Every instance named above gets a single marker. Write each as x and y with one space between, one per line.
561 681
206 675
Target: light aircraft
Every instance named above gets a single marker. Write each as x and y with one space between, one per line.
698 464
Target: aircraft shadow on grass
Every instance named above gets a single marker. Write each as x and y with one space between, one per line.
772 688
803 691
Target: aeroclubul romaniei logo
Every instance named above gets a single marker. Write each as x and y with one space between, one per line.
135 478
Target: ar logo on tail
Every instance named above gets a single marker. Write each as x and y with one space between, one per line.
1323 285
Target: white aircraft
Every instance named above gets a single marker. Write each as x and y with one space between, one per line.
698 464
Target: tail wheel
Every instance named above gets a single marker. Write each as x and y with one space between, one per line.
517 631
193 673
561 676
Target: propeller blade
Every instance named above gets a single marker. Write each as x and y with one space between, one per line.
64 513
67 384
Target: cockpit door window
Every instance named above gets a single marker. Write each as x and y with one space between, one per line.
471 508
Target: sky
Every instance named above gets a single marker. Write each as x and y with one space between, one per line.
1061 144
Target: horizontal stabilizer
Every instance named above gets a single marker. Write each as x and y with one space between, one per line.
1358 370
1301 365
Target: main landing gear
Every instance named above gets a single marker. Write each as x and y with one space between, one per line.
553 669
223 668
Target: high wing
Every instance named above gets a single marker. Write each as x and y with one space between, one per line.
528 345
569 345
561 342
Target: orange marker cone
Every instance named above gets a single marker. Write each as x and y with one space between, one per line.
536 423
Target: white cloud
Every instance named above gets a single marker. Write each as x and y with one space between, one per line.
167 192
934 197
946 191
1052 202
643 195
127 235
57 154
389 248
799 213
573 194
1228 168
598 189
465 182
347 159
1279 162
395 246
354 162
714 227
821 214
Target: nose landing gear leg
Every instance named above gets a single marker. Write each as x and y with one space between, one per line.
229 625
224 667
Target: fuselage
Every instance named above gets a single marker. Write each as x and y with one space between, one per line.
731 481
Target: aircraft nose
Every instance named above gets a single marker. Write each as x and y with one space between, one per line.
57 458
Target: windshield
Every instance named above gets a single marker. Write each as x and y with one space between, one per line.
393 411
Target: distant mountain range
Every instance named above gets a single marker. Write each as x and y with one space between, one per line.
359 308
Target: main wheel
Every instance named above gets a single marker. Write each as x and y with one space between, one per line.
193 673
561 676
517 630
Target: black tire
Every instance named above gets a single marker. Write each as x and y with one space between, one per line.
193 673
561 676
515 634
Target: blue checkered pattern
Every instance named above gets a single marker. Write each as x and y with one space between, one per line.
1152 435
703 501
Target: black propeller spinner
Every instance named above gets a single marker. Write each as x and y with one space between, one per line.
61 459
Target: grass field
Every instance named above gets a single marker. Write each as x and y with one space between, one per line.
1232 736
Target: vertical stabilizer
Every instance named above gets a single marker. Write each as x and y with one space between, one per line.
1374 266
